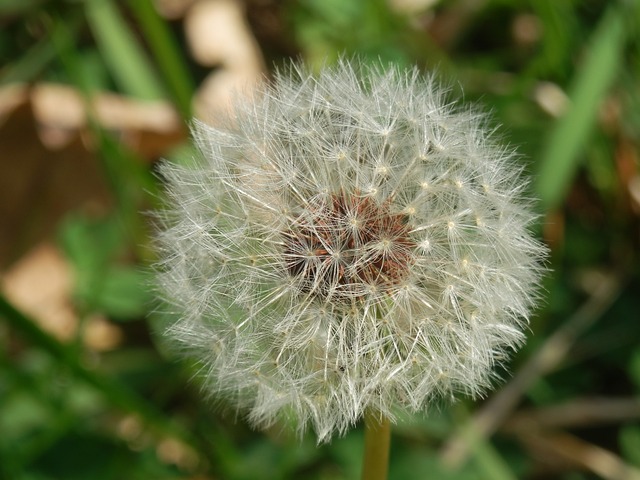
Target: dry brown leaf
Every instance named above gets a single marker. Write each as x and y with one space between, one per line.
38 186
216 94
553 446
39 284
551 98
61 112
100 335
408 7
11 97
173 9
218 34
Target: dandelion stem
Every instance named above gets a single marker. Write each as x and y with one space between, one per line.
377 438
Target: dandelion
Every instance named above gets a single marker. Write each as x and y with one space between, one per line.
345 243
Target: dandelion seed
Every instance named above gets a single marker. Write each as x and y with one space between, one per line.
349 242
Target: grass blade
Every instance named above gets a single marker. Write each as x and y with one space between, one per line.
167 54
561 158
127 62
116 393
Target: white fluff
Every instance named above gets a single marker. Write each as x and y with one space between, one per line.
322 342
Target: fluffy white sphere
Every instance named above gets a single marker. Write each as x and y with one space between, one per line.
347 241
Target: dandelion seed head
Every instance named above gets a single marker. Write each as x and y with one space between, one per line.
347 241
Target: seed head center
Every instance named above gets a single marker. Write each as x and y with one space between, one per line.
348 245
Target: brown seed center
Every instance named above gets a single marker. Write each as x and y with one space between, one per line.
348 246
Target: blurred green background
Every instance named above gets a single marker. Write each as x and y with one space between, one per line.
94 92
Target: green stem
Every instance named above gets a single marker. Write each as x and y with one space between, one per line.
377 438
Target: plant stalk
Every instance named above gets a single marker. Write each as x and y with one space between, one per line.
377 438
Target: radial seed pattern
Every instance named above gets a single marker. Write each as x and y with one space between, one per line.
347 241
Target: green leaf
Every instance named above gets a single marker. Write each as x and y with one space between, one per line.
124 293
167 54
91 243
561 158
630 443
92 246
424 464
115 392
126 59
16 7
486 458
30 64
